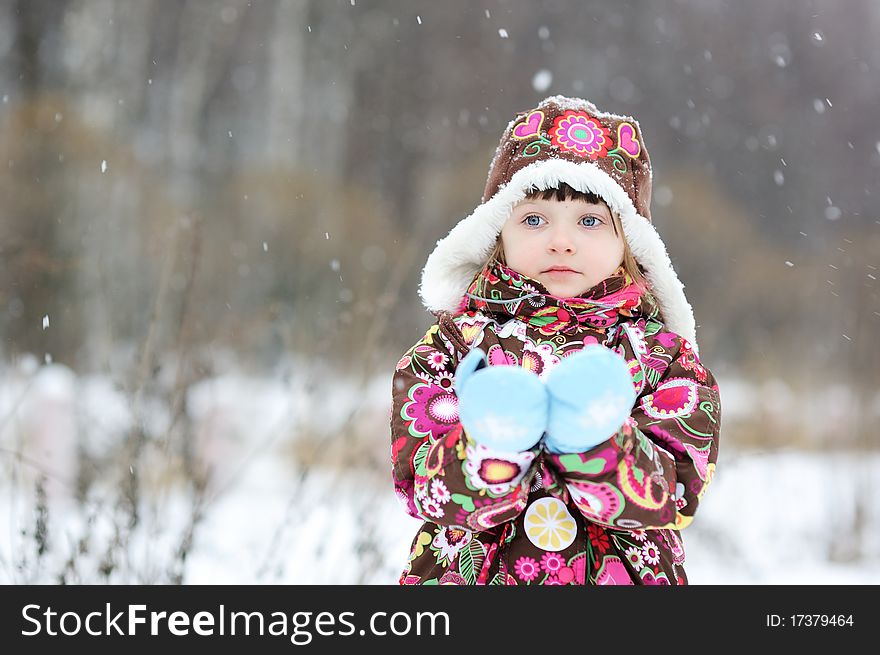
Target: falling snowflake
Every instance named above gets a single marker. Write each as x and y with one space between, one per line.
542 80
832 213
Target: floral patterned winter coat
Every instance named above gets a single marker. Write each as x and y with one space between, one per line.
611 515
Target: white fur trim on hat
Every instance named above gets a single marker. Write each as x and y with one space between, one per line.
463 252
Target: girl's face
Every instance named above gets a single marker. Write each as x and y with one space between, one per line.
543 234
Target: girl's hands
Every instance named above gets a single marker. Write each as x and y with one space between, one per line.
583 402
591 395
502 407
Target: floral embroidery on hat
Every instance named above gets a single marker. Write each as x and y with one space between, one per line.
627 141
530 127
534 148
578 132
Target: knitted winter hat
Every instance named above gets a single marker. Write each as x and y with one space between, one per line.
562 140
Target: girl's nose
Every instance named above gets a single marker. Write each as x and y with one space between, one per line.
560 241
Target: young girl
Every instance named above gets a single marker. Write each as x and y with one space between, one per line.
555 425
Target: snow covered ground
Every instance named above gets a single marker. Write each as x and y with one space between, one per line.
769 518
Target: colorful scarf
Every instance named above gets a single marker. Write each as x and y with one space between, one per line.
506 293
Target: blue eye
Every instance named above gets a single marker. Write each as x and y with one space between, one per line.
591 218
528 222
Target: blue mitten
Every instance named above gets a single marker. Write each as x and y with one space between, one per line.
502 407
591 395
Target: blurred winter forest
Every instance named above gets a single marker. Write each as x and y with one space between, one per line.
215 213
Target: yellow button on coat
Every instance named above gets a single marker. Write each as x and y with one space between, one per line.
549 525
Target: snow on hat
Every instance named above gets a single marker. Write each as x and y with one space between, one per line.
562 140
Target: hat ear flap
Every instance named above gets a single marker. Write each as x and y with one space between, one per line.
642 179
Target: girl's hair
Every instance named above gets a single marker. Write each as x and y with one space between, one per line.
564 192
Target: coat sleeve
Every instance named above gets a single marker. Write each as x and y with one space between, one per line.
654 471
440 474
